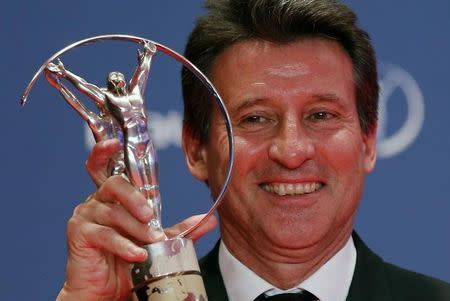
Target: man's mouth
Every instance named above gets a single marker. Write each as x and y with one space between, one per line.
291 189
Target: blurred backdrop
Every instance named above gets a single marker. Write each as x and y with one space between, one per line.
404 213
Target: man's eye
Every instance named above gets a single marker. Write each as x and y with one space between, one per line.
255 122
322 115
255 119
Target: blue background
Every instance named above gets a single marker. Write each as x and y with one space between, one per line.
404 213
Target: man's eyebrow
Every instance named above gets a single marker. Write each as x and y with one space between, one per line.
324 97
246 103
330 97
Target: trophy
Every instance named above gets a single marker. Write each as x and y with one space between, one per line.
171 271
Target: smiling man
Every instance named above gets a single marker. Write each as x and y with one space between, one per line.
301 155
299 81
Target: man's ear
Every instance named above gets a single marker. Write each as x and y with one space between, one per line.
195 153
370 149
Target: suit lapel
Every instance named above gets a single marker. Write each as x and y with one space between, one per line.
368 283
212 278
369 280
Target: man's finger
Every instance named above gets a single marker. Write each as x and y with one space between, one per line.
205 227
115 216
99 237
98 161
117 190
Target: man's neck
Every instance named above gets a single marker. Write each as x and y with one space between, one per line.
285 268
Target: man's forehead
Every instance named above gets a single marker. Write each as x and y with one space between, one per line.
283 60
289 70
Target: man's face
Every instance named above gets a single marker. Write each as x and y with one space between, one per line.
301 156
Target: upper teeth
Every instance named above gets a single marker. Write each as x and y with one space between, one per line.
292 189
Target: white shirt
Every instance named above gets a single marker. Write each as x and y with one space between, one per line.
331 282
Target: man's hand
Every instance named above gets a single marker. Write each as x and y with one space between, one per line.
106 231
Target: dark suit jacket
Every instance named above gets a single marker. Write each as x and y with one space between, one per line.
373 280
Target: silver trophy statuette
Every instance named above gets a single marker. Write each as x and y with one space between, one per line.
171 271
103 125
123 113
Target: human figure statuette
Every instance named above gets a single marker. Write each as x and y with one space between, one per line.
122 115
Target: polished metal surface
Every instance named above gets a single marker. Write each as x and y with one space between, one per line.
125 105
124 113
103 125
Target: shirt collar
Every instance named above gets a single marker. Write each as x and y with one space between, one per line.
331 282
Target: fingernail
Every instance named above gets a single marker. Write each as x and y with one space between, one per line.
107 142
146 212
155 235
136 251
125 177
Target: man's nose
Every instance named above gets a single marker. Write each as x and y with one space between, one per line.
291 146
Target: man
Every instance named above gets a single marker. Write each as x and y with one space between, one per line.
299 81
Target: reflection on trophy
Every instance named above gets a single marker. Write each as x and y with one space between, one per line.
171 271
124 114
103 125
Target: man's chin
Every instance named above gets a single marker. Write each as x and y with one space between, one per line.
291 238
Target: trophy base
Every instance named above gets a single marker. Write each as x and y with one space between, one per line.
171 272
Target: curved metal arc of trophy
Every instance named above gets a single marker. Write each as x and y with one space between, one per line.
186 63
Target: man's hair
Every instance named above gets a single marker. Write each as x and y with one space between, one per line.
283 22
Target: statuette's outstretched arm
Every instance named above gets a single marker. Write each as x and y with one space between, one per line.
139 79
71 99
90 90
103 125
